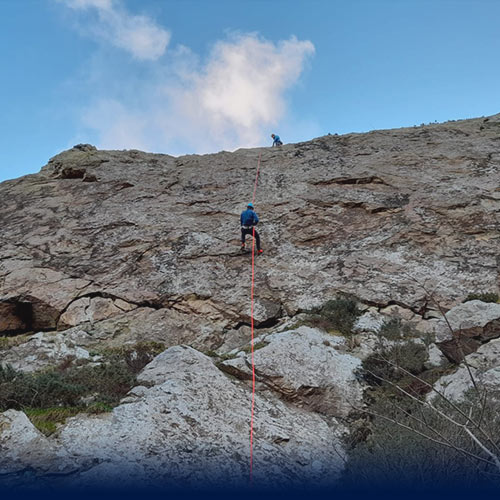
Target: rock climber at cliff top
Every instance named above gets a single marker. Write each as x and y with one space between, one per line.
276 140
248 220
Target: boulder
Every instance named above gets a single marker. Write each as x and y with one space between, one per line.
189 424
23 446
436 357
466 327
474 319
484 365
305 366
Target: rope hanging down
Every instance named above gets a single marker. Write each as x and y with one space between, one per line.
251 325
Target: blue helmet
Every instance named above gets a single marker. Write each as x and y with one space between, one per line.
250 205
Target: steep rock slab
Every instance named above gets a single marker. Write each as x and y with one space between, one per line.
92 309
306 368
362 213
169 326
39 295
192 427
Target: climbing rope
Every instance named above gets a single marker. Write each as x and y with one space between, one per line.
252 326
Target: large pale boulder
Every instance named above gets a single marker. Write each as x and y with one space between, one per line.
192 426
305 366
477 317
466 327
188 424
484 366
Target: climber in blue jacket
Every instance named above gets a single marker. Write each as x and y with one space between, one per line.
249 219
276 140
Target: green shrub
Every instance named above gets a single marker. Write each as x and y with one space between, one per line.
395 330
65 386
484 297
46 419
7 374
385 365
39 390
50 396
108 382
339 314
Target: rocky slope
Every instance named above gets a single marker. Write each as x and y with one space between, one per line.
106 248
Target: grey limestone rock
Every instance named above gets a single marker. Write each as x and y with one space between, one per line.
189 426
485 368
473 315
370 214
305 366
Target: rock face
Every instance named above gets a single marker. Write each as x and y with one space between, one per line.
473 317
106 248
361 213
188 424
45 349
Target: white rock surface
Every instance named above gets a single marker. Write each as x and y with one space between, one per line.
472 314
370 321
23 446
46 349
485 368
436 357
190 427
307 367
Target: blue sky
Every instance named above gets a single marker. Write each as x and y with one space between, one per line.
196 76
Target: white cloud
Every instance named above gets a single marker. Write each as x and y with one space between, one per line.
234 99
84 4
139 35
241 89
